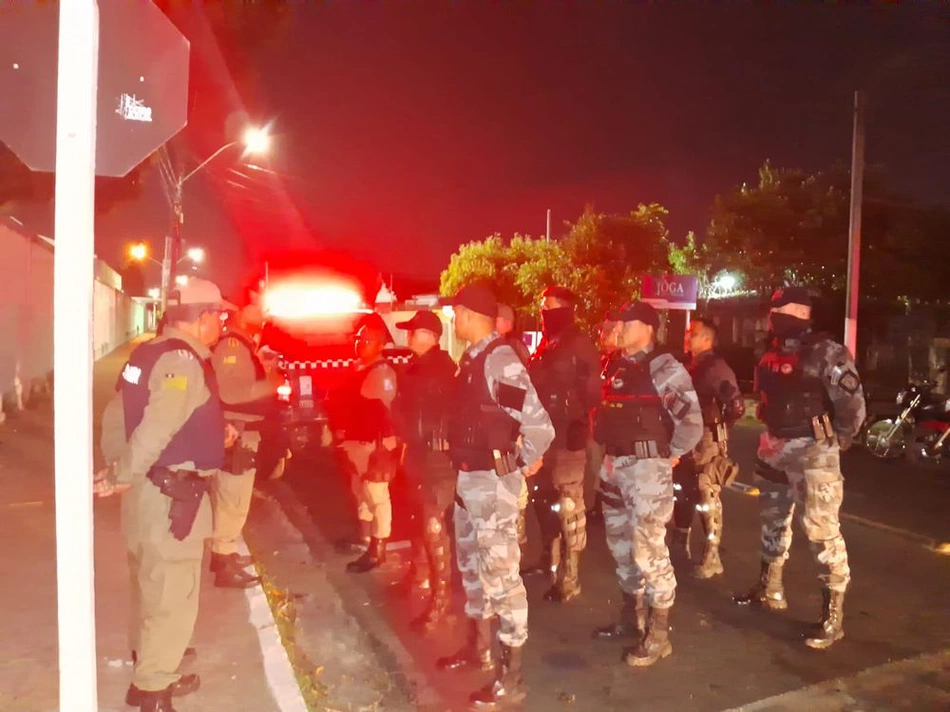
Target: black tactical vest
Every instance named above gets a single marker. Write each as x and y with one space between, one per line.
425 397
360 418
631 410
477 425
791 389
707 390
201 438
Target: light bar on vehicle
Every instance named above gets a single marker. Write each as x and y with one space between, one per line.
302 301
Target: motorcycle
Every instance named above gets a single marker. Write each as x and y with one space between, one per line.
921 432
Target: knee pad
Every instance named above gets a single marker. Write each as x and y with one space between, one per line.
573 524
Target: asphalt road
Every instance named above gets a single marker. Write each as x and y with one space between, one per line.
897 618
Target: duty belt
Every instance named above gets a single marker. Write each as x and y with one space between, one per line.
640 449
186 488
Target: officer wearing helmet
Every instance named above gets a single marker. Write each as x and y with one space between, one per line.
164 437
812 403
648 419
360 416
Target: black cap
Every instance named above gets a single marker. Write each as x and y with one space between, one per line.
422 320
790 295
562 293
479 298
639 311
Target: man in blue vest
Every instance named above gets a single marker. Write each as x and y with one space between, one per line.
163 437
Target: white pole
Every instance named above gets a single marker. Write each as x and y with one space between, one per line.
547 233
72 349
854 238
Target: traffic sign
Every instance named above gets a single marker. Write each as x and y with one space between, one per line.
143 83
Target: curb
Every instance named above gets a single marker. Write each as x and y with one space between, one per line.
415 685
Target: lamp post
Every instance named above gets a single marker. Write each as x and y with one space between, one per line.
255 141
139 252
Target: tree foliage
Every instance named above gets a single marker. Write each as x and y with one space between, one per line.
601 259
793 227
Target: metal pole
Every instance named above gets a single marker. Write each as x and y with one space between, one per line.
77 86
854 239
166 271
175 250
548 231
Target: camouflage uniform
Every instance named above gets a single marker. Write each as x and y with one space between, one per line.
805 470
701 476
487 510
637 499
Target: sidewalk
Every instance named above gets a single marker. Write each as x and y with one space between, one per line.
229 661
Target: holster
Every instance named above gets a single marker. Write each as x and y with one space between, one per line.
186 488
772 474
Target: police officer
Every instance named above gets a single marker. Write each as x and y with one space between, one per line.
362 421
702 474
812 403
250 398
648 419
566 371
505 325
164 436
607 343
420 412
495 407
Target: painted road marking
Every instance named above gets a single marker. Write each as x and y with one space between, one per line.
277 668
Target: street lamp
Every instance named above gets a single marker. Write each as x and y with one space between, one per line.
154 293
196 255
181 280
255 141
138 251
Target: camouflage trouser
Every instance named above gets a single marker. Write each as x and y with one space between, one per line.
231 493
486 537
637 498
372 498
816 486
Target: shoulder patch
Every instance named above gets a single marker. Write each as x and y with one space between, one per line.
131 374
230 360
174 382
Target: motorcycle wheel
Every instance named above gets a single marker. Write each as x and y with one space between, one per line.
880 445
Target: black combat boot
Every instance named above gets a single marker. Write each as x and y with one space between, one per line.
476 653
374 557
508 690
768 593
567 585
656 645
830 628
184 685
220 562
633 620
233 576
157 701
440 580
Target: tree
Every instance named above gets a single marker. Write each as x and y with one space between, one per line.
601 259
792 227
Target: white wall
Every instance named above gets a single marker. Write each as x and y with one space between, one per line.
26 308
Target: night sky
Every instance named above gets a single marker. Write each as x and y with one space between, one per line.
406 129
